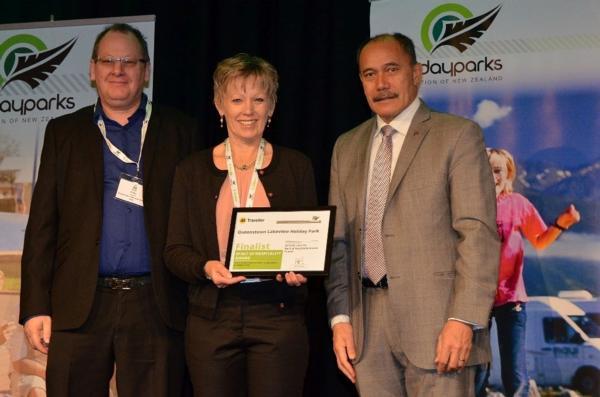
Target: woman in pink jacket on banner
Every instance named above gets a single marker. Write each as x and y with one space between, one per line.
516 218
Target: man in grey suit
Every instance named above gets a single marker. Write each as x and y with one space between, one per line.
416 251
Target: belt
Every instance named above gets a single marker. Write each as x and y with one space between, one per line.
367 283
124 283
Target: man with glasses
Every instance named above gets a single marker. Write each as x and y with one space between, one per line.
95 293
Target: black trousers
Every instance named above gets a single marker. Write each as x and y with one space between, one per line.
125 330
251 348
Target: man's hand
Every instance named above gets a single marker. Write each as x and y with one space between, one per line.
343 347
292 279
37 329
453 346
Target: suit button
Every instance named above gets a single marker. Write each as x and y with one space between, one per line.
270 194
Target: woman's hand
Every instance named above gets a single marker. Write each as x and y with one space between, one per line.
568 217
293 279
220 275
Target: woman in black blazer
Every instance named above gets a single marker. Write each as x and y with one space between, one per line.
243 336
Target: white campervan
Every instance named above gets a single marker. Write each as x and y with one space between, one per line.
563 346
584 300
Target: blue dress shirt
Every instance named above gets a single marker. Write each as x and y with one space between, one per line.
124 247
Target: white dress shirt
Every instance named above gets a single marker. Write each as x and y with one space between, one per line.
401 123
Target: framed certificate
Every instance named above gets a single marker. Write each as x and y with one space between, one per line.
267 241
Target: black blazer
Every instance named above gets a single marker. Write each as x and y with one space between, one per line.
59 268
192 239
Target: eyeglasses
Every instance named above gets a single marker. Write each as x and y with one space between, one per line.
126 62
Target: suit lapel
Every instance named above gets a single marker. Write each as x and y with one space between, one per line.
93 144
149 149
414 137
362 167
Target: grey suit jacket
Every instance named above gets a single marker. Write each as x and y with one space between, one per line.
439 229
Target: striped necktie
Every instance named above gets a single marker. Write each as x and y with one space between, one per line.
374 262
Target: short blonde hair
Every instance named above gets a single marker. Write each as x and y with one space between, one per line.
511 166
245 65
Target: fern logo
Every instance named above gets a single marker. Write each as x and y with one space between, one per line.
26 58
454 25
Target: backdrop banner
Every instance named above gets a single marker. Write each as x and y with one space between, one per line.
43 74
527 72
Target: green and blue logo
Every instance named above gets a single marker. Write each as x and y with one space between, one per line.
454 25
26 58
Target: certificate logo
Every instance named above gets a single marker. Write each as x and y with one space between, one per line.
454 25
242 220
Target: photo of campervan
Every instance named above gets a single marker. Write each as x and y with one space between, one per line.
563 346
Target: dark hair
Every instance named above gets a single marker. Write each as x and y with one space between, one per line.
245 65
127 29
404 41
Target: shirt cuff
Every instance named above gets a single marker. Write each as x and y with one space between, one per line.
35 315
340 318
475 326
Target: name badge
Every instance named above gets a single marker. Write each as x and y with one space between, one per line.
131 190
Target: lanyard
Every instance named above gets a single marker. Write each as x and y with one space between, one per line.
235 193
116 151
